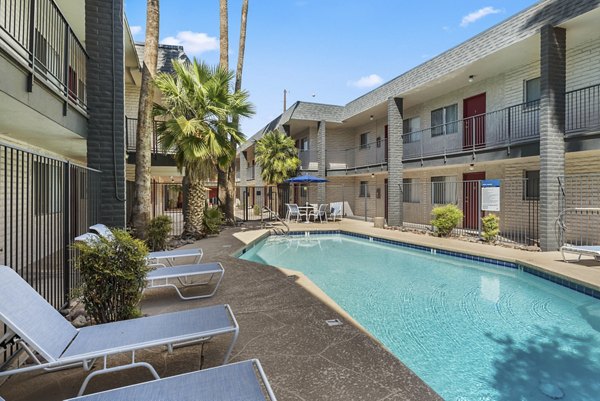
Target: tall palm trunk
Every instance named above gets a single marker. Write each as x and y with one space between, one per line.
222 177
141 199
194 202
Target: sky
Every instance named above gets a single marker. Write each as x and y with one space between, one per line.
323 51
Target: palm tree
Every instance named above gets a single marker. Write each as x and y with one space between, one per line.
198 109
224 64
277 156
141 196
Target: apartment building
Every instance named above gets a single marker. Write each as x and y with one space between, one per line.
515 107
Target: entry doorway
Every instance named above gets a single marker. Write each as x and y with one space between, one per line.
471 207
474 122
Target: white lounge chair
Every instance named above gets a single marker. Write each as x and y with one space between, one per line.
155 257
320 213
593 251
183 275
237 381
41 329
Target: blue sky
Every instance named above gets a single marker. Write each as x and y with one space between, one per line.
325 51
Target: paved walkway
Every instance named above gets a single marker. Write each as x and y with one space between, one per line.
281 323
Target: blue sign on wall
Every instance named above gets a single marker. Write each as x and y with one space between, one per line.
490 183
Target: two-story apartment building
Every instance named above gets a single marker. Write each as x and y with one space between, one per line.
518 103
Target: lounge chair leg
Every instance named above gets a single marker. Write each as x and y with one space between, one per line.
116 369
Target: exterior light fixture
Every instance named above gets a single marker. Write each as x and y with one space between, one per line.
471 78
471 166
372 175
371 117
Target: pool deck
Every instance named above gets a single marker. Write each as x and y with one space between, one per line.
281 323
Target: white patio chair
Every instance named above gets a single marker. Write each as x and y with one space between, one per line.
580 250
177 277
336 211
294 212
154 257
53 343
244 380
320 213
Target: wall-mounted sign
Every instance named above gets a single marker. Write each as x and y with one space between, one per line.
490 195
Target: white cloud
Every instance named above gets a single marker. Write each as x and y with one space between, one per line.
368 81
135 29
194 43
477 15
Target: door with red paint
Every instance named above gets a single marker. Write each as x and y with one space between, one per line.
471 207
474 122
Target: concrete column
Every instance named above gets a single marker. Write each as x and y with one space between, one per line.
243 169
321 159
395 205
552 130
105 101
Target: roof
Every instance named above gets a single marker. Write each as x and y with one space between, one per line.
166 55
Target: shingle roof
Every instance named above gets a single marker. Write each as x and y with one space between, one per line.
166 54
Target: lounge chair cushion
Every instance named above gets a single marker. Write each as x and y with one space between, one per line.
184 270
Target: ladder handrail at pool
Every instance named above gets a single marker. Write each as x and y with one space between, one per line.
272 213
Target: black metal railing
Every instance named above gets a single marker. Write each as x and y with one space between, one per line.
504 127
583 109
44 204
37 35
131 136
370 154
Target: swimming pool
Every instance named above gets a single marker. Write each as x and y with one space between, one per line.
470 330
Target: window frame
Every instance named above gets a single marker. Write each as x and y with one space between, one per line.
526 90
531 191
410 133
363 191
442 183
446 127
364 144
409 195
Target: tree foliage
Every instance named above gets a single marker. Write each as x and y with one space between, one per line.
277 156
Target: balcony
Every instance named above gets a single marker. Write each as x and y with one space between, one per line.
131 136
308 159
361 157
504 128
37 36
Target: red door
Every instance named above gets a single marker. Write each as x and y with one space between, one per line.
474 122
471 207
386 143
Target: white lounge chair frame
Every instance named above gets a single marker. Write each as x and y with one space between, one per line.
593 251
245 379
38 328
154 257
163 276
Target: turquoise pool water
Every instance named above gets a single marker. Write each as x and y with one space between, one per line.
471 330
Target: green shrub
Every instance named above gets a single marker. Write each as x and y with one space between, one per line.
256 210
113 275
490 224
159 229
213 218
445 219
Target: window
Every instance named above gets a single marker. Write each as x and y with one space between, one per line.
364 190
531 186
444 120
532 90
410 191
304 144
378 141
410 128
443 190
47 182
364 140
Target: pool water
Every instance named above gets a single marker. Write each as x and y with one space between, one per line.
470 330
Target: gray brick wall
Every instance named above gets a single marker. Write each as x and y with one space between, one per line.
321 158
106 139
552 128
395 206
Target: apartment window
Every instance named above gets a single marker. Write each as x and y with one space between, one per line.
364 140
364 189
410 191
304 144
444 120
411 130
531 190
532 90
47 182
378 141
443 190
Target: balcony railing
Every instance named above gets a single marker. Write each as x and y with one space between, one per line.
371 154
250 173
37 36
308 159
131 135
583 109
504 127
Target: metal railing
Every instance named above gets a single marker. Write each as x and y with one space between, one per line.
579 205
308 159
583 109
36 34
504 127
370 154
131 137
166 200
44 204
258 203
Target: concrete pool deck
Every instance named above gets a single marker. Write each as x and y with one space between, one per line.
281 324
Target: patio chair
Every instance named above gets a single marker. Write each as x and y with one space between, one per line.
294 212
580 250
154 257
336 211
41 329
163 276
321 213
244 380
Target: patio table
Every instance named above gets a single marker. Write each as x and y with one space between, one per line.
306 210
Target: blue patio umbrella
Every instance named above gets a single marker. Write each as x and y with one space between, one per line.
305 179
